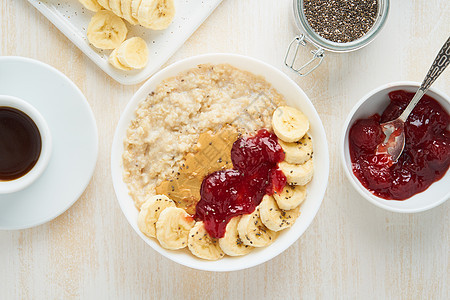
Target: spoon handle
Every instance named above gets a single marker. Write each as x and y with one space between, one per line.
439 64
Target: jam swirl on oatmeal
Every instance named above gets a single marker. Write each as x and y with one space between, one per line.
238 191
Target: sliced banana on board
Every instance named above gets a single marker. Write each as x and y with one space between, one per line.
133 53
172 228
275 218
231 243
92 5
114 61
297 152
126 11
153 14
202 245
150 211
253 232
289 124
290 197
297 174
156 14
106 30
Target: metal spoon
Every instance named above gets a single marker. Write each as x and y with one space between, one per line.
394 130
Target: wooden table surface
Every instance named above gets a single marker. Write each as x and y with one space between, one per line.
351 250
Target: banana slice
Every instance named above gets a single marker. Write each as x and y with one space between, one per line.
202 244
91 5
106 30
156 14
297 152
297 174
172 228
289 124
133 53
115 6
231 243
253 232
126 11
275 218
150 211
104 3
290 197
114 61
135 4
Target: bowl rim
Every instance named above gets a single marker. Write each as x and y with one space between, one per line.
185 64
15 185
377 201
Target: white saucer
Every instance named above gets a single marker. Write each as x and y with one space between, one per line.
75 142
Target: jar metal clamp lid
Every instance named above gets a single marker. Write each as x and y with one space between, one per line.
320 44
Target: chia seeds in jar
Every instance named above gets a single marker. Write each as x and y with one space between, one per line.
341 21
332 25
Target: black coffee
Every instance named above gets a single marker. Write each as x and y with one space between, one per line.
20 143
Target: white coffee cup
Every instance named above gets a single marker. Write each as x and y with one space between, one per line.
11 186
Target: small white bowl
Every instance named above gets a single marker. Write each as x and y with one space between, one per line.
294 96
375 102
11 186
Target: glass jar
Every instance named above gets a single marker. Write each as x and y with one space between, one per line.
320 44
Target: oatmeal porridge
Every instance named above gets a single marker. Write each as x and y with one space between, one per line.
169 122
216 162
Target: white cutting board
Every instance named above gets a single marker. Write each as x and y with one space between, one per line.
72 19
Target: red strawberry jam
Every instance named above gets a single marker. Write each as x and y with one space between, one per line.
233 192
425 159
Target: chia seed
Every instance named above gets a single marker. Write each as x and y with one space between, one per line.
341 21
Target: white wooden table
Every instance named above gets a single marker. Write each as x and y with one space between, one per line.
352 249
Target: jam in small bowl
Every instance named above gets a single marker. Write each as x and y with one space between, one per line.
419 180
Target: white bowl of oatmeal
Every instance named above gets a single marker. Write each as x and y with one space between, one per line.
188 112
